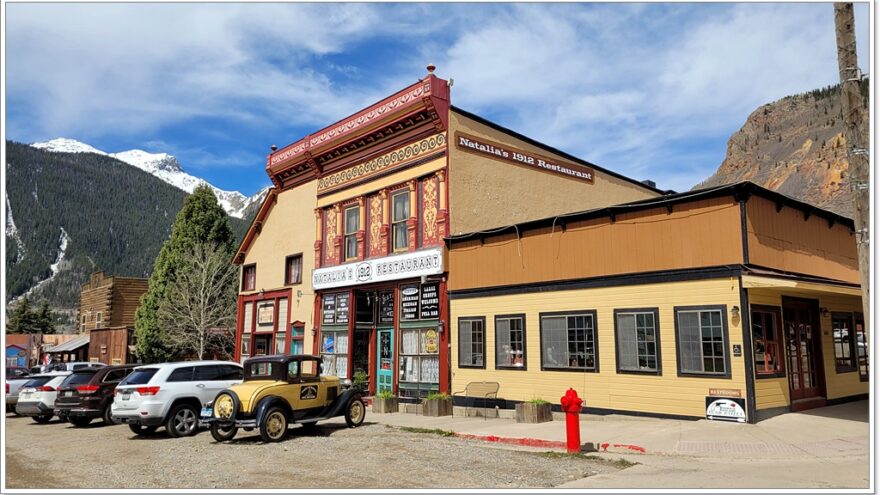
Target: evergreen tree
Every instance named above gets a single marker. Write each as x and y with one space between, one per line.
45 320
24 318
201 220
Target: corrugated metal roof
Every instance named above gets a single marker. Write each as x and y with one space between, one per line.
70 345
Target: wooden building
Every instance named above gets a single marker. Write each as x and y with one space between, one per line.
734 302
111 345
346 257
106 302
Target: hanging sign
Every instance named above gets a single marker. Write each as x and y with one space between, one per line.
329 309
397 267
342 309
726 409
409 302
498 151
429 303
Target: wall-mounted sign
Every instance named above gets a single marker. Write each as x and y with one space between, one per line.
329 309
498 151
266 314
432 342
386 307
429 303
409 302
726 409
737 350
725 392
342 309
397 267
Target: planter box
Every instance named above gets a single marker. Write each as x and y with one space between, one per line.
437 407
384 406
533 413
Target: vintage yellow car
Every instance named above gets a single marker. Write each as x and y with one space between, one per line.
279 391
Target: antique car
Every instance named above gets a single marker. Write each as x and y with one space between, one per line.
279 391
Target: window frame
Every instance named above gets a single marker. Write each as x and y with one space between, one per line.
346 234
776 311
659 355
244 277
287 265
853 348
581 312
502 367
725 336
481 319
860 318
400 192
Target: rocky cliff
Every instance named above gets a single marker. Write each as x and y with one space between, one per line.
795 146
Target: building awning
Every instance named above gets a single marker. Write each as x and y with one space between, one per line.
70 345
766 282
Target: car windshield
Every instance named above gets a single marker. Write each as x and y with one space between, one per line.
78 378
260 370
139 376
36 382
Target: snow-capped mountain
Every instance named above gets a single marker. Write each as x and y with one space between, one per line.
163 166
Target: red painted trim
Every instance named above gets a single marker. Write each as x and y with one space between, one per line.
395 330
373 371
316 336
239 328
445 349
523 442
627 446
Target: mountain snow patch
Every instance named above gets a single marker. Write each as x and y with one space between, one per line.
54 268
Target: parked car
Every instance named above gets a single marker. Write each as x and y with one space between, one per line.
88 393
72 366
278 391
16 372
171 395
13 386
37 396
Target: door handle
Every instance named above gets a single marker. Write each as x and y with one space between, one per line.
200 385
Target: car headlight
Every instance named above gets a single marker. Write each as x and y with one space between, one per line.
346 383
224 406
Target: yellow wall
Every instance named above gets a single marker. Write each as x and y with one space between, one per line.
486 193
667 394
774 392
288 229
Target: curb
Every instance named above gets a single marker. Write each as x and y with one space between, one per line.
554 444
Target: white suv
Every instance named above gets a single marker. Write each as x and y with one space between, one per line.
37 396
171 395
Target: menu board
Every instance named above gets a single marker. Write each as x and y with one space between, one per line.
386 307
409 302
342 301
430 302
329 309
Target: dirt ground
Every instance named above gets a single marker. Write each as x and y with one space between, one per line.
57 455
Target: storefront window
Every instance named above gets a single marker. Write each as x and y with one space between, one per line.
471 342
862 347
568 341
399 215
638 342
245 346
844 342
352 224
510 342
334 350
419 361
296 339
702 341
766 341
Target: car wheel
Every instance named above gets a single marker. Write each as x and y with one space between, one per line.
183 421
274 425
355 412
222 434
43 419
142 429
107 417
80 422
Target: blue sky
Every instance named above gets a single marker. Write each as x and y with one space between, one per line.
652 91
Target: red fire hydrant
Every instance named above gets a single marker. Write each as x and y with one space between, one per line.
571 406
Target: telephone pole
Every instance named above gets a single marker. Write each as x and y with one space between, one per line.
857 148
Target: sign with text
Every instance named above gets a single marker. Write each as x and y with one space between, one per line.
386 307
429 303
342 309
498 151
329 309
726 409
266 314
409 302
397 267
725 392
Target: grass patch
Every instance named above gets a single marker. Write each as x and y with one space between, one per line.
430 431
617 463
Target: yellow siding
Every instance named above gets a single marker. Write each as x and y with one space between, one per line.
774 392
668 394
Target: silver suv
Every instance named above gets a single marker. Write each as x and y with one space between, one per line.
171 395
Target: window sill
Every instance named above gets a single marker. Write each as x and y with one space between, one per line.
572 369
841 371
778 374
473 366
690 374
640 372
511 368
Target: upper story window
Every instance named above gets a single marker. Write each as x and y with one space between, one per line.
352 224
399 215
249 277
293 269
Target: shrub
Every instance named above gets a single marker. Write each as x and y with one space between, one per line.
537 401
385 394
437 396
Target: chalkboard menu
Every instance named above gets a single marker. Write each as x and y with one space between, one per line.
342 301
409 302
386 307
329 309
430 302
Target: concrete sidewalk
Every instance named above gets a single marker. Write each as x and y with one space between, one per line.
835 431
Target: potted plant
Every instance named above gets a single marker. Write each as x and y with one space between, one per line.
533 411
436 404
360 381
385 402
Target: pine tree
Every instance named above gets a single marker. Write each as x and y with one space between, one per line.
24 318
45 320
201 220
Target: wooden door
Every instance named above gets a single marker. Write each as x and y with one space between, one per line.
803 345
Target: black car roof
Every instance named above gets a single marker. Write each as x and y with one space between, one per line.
282 358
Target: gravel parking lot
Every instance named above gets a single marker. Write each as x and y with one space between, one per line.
57 455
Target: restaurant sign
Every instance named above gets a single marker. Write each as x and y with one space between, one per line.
726 409
480 146
397 267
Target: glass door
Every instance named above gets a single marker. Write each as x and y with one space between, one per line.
385 367
802 337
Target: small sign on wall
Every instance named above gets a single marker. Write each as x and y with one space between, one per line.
726 409
266 314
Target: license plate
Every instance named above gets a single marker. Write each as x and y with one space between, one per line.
126 395
207 412
25 395
68 394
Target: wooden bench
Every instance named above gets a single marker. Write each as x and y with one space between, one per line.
479 390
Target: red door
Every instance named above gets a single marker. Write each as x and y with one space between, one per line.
803 341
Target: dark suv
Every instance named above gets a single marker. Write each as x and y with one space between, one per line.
88 393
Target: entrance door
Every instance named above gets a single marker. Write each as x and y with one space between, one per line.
804 340
385 366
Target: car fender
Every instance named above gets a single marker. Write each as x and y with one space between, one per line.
236 402
269 401
337 407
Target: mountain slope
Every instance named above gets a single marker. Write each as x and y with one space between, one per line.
161 165
795 146
69 214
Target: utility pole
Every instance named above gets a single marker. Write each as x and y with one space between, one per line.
857 148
